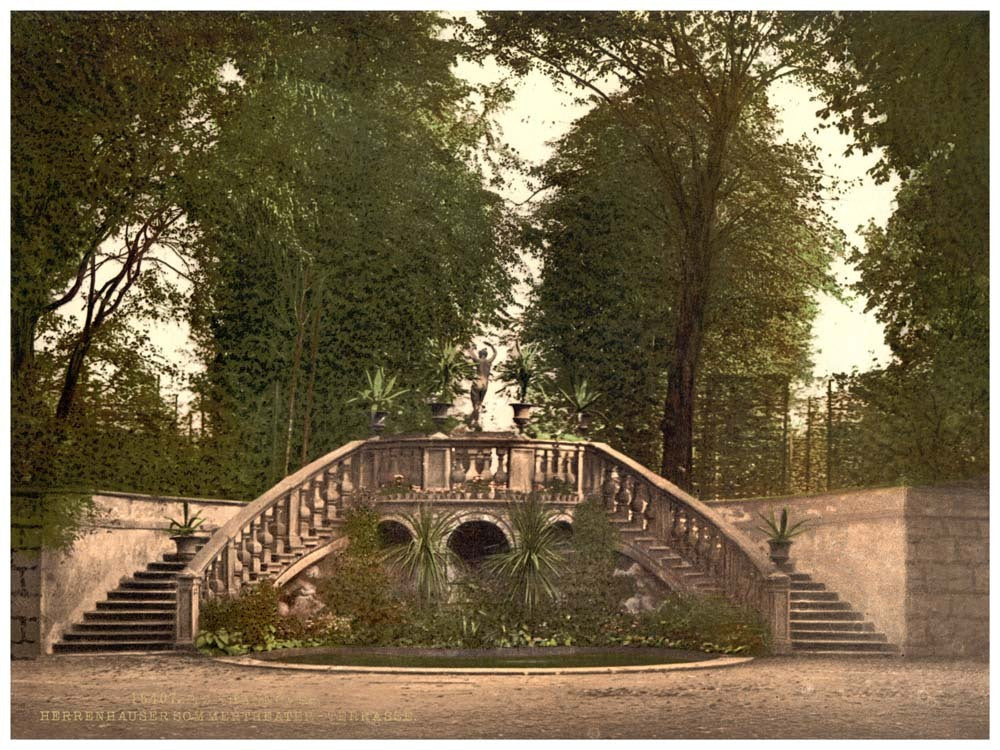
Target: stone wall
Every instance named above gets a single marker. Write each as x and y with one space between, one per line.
914 561
25 592
856 545
947 567
129 534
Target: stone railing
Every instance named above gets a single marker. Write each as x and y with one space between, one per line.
700 535
303 511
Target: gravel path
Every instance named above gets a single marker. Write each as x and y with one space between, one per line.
187 696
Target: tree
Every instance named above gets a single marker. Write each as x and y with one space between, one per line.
107 110
610 250
353 213
682 85
915 85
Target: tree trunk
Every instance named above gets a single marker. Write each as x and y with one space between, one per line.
73 370
292 388
22 341
678 410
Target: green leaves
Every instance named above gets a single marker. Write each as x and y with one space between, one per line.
381 391
521 368
425 559
529 568
779 530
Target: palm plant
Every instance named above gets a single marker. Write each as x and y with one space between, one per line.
448 366
425 559
531 566
779 531
521 368
381 391
580 397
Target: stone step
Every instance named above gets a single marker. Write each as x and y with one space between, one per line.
834 605
836 635
807 586
142 595
102 636
814 596
87 648
827 625
106 615
825 614
155 575
800 577
841 653
835 646
124 626
136 605
151 584
165 566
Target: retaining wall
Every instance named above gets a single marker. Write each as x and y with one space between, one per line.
914 561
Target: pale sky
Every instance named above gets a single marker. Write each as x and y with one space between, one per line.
844 336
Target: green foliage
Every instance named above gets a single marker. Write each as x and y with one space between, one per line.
187 525
521 368
530 567
248 619
381 392
425 559
447 367
779 530
49 519
701 623
580 396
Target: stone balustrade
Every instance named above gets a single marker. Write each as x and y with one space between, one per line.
303 511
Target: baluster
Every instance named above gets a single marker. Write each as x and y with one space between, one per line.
347 483
569 468
609 489
244 560
540 471
318 504
486 472
639 504
256 549
624 499
500 477
216 582
264 539
459 467
291 502
232 567
302 498
332 494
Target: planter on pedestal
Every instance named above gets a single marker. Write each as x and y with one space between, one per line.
522 414
188 544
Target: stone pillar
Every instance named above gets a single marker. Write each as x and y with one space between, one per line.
188 597
777 601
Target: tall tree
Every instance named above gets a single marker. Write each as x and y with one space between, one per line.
356 227
916 86
106 110
610 250
681 83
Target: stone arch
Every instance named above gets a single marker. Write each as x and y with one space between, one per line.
394 530
476 536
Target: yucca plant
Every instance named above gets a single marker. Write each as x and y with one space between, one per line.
521 368
381 391
779 530
425 559
448 366
580 396
531 566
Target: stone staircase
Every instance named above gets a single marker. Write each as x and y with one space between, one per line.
673 566
138 615
823 624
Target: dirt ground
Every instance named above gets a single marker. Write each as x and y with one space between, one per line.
188 696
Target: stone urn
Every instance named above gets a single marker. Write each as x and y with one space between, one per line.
439 413
378 421
188 544
522 414
779 552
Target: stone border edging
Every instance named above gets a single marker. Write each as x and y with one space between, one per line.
248 661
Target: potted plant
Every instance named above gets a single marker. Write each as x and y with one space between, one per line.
183 533
780 535
448 367
379 396
519 371
580 398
